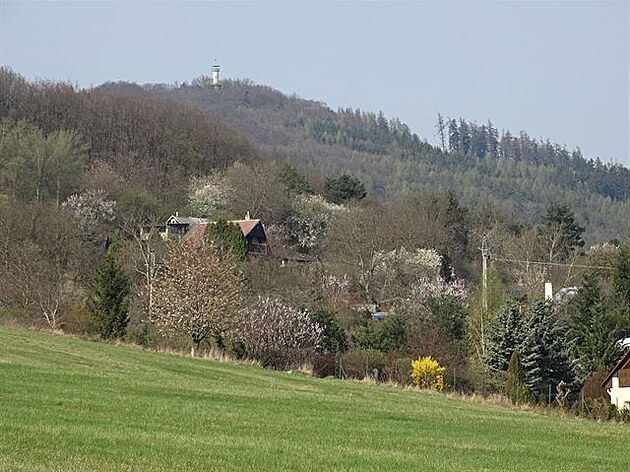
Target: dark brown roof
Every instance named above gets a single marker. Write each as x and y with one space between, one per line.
625 360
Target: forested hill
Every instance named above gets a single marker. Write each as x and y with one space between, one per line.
139 149
483 166
146 141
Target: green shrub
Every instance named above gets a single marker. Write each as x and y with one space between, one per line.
324 365
15 316
398 370
333 337
142 334
363 363
384 335
79 320
467 379
624 415
597 408
228 238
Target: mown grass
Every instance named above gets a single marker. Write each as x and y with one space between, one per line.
68 405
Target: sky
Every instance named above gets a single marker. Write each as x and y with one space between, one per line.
555 69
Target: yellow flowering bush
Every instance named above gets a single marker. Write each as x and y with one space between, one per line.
426 372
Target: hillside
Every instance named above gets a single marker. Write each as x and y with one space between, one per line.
81 171
483 167
74 405
138 148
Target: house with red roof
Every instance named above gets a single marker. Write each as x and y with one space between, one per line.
192 229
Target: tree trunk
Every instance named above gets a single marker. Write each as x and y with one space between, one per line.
195 347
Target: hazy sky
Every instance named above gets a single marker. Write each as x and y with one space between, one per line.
558 70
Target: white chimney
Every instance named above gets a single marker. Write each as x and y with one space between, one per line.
548 291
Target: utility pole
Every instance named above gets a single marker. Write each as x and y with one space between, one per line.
485 255
151 269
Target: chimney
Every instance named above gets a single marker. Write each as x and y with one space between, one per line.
247 217
548 291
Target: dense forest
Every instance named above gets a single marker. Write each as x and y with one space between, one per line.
373 235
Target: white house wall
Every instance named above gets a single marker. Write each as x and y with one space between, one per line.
619 396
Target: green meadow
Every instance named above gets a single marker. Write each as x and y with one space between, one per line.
68 404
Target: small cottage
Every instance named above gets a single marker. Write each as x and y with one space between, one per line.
192 229
617 384
175 227
252 230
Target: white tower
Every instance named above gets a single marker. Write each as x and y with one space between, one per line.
216 81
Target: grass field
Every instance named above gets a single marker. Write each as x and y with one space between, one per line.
68 404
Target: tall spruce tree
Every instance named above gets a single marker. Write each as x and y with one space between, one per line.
560 233
453 136
594 330
544 352
109 298
506 335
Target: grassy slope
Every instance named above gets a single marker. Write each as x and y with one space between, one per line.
68 404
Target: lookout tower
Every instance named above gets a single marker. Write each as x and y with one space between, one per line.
216 81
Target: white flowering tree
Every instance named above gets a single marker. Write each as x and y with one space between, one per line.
276 334
312 216
334 288
195 293
399 270
90 208
436 287
208 196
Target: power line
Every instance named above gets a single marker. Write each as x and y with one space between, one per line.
553 263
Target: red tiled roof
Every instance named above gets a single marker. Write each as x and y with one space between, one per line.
195 234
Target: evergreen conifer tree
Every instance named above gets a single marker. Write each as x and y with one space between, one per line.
343 189
544 352
505 337
593 329
228 238
516 389
109 298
